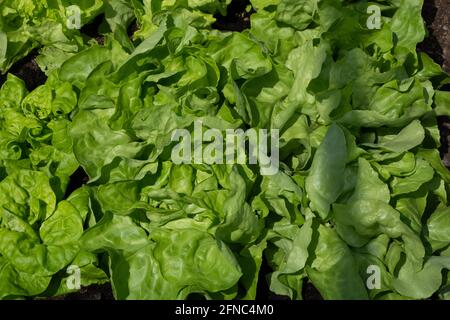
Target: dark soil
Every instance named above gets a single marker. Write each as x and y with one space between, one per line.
237 18
132 28
28 70
310 292
94 292
444 128
437 45
77 180
92 29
